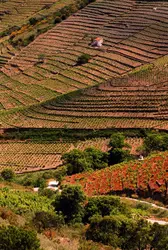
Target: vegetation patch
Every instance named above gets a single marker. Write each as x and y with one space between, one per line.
24 202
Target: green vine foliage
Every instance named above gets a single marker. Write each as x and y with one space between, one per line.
21 202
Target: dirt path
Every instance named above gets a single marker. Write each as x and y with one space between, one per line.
151 220
161 222
145 202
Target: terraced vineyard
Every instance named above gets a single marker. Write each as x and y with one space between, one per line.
17 12
15 16
142 95
32 156
134 33
147 178
138 100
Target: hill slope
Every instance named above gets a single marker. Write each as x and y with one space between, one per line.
17 12
28 156
147 178
138 100
134 34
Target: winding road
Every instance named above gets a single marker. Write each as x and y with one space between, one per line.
161 222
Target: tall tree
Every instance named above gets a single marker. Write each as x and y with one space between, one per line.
70 203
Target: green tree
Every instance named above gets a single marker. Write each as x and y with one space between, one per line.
117 140
47 192
139 236
165 142
75 161
40 182
121 232
109 230
15 238
103 206
159 237
78 161
7 174
118 155
70 203
97 158
153 141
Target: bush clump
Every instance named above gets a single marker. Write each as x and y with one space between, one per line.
43 220
126 233
24 202
103 206
90 159
155 142
33 21
84 58
8 174
15 238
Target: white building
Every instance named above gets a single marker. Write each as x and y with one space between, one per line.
97 42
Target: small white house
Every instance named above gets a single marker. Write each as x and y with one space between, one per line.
53 185
97 42
141 158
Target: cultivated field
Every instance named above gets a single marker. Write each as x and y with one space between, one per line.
22 21
134 33
123 85
32 156
148 177
137 100
14 13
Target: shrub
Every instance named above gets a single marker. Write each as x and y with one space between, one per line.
159 237
40 182
44 220
7 174
120 232
28 180
33 21
47 192
7 214
109 230
18 239
31 38
155 142
104 206
60 172
41 58
84 58
57 20
143 206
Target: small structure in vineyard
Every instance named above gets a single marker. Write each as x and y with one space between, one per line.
97 42
52 184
